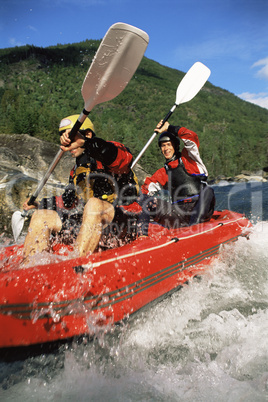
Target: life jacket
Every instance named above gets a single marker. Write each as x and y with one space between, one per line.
180 183
95 180
89 178
76 193
122 188
82 182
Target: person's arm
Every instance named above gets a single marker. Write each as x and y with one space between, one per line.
154 183
190 155
189 138
97 148
112 154
101 150
67 145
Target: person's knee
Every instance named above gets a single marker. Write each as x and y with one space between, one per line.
107 212
46 218
99 208
93 206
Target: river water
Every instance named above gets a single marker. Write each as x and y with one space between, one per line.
206 342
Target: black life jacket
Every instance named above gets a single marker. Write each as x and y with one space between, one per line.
112 186
80 184
180 183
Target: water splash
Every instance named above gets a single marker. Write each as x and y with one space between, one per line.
206 342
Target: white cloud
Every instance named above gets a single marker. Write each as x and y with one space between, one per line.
260 99
32 28
263 72
14 42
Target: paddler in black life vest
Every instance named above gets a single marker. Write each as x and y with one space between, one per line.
62 215
177 194
103 185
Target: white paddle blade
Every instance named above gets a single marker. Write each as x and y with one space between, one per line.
192 82
114 64
17 222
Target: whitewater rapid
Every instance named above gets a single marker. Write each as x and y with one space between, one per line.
205 342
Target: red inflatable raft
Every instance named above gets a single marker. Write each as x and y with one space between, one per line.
65 297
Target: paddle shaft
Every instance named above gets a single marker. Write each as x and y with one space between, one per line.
189 86
58 157
153 137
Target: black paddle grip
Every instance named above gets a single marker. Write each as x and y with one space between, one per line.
31 200
78 124
167 117
75 129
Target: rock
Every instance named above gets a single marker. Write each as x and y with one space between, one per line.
246 178
7 156
141 173
23 162
30 155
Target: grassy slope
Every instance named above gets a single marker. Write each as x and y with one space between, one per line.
39 86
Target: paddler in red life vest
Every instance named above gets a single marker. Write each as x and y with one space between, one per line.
177 194
105 186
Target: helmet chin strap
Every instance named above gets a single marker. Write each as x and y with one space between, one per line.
175 156
172 158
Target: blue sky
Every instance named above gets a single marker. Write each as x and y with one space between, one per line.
229 36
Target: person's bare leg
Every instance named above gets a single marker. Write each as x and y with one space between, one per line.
43 222
97 215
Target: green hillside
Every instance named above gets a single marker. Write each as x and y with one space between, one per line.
39 86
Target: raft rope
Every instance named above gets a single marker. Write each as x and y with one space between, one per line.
174 240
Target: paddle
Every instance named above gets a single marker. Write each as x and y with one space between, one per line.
189 86
114 64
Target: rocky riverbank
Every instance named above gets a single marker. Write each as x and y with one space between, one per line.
244 176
